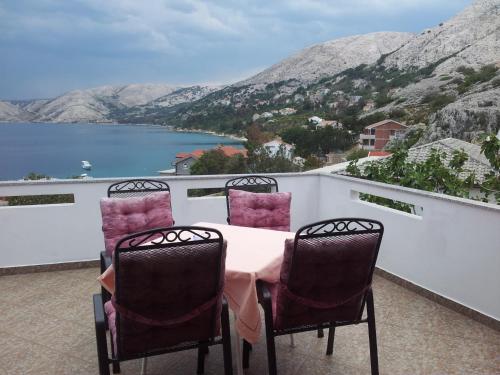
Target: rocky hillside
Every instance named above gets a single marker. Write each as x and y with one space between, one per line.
332 57
100 104
470 38
445 77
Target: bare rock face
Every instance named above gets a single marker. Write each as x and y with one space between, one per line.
93 105
98 104
466 118
471 38
184 95
10 112
332 57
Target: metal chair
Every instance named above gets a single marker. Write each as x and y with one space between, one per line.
325 282
136 188
168 297
251 183
131 189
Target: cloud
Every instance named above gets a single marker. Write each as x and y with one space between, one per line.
183 40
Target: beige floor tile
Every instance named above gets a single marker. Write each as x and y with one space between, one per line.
46 327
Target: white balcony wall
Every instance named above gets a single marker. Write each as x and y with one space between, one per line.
452 249
45 234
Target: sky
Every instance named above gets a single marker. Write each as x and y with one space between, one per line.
48 47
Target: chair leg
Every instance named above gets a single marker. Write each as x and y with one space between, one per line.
320 333
372 333
331 337
202 350
226 339
144 367
271 347
271 353
100 335
116 367
246 353
292 341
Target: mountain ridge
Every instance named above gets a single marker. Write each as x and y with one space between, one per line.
441 77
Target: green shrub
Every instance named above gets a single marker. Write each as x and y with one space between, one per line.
356 154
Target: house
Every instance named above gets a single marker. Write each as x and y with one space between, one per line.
476 163
377 135
315 120
184 160
333 123
276 144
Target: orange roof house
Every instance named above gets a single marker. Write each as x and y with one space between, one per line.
377 135
184 160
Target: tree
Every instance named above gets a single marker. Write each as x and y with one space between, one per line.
491 184
262 161
433 174
357 154
211 162
28 200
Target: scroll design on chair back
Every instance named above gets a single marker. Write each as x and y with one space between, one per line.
327 271
136 187
168 289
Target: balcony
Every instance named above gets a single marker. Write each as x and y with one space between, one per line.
366 136
436 288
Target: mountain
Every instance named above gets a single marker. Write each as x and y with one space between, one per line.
470 38
100 104
10 112
445 77
332 57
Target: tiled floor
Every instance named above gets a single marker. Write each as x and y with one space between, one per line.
46 327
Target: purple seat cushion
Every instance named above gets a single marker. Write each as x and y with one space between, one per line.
124 216
260 210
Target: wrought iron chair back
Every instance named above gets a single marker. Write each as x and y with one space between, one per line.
136 188
252 183
327 271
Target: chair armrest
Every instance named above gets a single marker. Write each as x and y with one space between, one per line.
224 303
263 292
106 261
99 315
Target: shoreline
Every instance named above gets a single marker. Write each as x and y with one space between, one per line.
170 127
211 132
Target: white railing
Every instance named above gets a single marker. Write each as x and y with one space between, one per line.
452 247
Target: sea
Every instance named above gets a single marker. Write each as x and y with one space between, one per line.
114 150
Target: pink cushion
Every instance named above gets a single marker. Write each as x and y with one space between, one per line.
260 210
124 216
109 309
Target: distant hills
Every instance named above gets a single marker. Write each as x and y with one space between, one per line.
445 77
100 104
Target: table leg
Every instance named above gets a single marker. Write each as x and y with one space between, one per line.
292 341
239 362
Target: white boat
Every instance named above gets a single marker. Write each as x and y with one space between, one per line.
86 165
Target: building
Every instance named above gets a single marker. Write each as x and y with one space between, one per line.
315 120
476 162
184 160
333 123
377 135
276 144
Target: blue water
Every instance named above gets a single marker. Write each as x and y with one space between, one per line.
113 150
